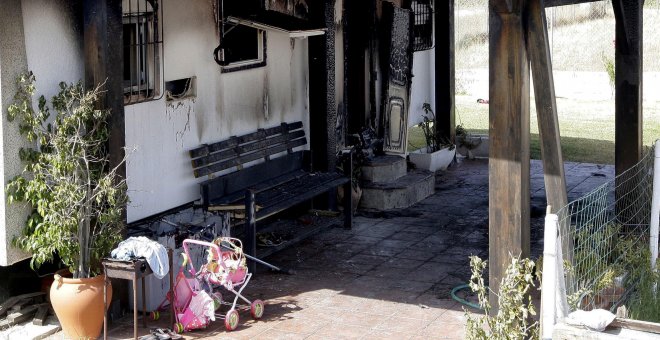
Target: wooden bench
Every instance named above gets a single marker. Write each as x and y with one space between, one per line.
264 189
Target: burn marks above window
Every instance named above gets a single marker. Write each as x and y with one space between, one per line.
143 50
423 25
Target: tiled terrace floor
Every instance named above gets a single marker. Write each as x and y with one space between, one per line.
390 276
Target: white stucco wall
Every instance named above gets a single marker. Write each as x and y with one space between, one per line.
423 86
158 171
53 41
44 37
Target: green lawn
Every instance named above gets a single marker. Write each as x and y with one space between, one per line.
586 127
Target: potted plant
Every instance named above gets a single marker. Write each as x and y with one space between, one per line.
77 198
468 142
439 151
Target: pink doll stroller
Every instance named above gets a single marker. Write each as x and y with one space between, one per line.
194 308
226 268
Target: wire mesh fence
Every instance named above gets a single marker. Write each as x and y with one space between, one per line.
605 237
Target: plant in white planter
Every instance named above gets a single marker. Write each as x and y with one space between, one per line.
76 196
439 151
466 141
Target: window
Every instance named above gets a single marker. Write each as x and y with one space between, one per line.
143 68
243 47
423 25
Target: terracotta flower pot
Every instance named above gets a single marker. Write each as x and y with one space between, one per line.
78 304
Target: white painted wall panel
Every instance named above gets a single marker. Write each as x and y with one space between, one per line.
423 87
53 41
159 173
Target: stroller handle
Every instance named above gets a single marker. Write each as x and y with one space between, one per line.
211 245
186 242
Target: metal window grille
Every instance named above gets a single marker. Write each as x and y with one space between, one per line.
143 50
423 25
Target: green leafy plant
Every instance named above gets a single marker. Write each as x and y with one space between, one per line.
645 302
513 319
608 63
76 197
434 140
463 139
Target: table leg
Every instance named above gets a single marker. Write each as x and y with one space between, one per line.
144 304
135 310
105 307
169 255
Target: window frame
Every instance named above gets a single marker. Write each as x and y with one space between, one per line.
144 49
423 43
261 61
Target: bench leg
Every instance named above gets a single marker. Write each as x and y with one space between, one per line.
332 199
250 229
348 193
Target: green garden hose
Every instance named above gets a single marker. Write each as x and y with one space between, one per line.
463 301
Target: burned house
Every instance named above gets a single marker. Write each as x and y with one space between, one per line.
178 75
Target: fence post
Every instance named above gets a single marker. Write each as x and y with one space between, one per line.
655 207
549 280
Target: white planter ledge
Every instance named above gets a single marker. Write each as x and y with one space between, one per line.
435 161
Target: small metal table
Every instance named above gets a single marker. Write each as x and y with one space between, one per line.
132 270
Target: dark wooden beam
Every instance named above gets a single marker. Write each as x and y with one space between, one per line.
445 69
628 83
103 46
538 49
103 57
508 167
322 104
555 3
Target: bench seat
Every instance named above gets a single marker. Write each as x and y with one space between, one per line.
283 180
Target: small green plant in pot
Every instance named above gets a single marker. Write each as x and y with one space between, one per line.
77 199
439 151
434 139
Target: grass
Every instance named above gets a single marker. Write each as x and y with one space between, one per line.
577 43
586 127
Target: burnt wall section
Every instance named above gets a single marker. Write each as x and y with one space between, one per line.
358 31
296 8
322 82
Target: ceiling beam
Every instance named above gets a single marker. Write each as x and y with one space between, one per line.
555 3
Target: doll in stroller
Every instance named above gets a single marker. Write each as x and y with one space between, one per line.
197 296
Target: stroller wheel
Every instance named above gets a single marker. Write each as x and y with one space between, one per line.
231 320
155 315
257 309
178 328
217 300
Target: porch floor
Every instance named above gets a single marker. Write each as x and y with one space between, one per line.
389 277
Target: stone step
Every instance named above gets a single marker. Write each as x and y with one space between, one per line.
384 169
404 192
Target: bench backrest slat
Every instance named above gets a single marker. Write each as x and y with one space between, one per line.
238 150
235 183
208 149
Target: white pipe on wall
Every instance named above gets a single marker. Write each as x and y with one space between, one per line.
549 281
655 207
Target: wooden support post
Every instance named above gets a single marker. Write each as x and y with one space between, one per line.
103 44
508 167
628 83
538 49
445 69
250 229
103 57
